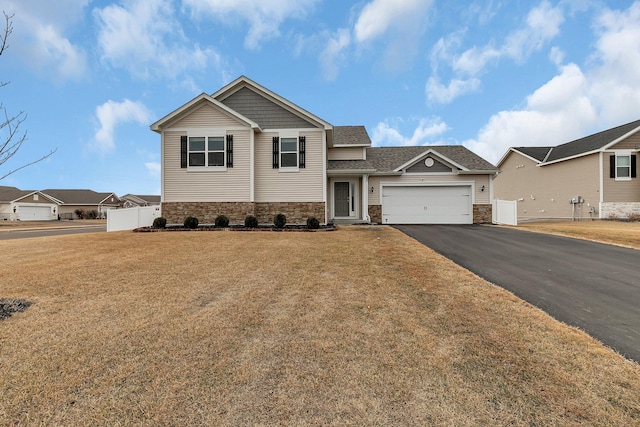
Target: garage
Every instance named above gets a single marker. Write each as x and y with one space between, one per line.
34 213
441 204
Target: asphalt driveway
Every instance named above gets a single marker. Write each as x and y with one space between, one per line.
593 286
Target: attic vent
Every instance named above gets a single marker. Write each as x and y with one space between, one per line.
428 162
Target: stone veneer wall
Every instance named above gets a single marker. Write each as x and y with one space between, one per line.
206 212
482 214
375 213
619 210
296 212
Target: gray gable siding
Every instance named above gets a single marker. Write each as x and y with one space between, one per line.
421 167
266 113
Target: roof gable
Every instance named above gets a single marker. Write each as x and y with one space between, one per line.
246 96
394 159
195 104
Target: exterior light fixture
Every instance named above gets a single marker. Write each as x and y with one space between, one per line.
372 188
482 189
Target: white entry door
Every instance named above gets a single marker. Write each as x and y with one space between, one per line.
449 204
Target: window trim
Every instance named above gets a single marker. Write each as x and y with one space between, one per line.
621 154
206 134
289 135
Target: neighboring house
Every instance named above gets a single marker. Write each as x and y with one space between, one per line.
86 200
595 176
136 200
26 205
245 150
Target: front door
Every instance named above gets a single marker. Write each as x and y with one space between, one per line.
342 199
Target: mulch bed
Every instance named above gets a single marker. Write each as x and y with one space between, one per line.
10 306
237 228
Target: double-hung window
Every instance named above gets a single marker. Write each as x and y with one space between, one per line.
207 152
289 152
623 166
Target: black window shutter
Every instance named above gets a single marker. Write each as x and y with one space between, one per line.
183 151
229 151
302 142
612 166
633 166
276 152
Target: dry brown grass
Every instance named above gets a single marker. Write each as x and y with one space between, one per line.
614 232
361 326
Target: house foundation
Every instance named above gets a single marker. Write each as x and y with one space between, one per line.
206 212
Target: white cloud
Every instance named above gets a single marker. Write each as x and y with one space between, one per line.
576 102
441 94
388 134
542 24
111 114
143 38
379 16
39 37
334 53
264 16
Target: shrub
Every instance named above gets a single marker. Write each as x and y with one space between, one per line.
634 217
279 220
92 214
221 221
251 221
313 223
79 213
191 222
159 222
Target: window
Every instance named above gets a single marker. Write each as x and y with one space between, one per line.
288 152
623 166
206 151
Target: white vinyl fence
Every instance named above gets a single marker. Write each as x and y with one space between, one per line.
505 212
131 218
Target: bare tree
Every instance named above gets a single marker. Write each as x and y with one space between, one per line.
12 137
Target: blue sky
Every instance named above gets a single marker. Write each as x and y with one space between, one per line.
93 75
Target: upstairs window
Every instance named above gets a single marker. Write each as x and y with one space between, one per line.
622 166
288 152
200 152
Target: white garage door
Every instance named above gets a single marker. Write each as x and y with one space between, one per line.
427 205
34 213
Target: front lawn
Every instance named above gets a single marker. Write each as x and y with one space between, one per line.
361 326
623 233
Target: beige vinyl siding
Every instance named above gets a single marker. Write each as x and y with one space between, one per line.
182 185
618 191
544 192
206 116
346 153
481 197
273 185
630 143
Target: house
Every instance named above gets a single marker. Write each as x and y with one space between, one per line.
26 205
591 177
137 200
70 201
245 150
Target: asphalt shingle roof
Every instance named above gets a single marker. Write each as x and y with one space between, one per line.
350 135
78 197
9 194
388 159
579 146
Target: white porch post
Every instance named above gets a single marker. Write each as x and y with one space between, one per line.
365 198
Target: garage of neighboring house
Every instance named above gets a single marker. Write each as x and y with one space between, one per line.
427 204
29 212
